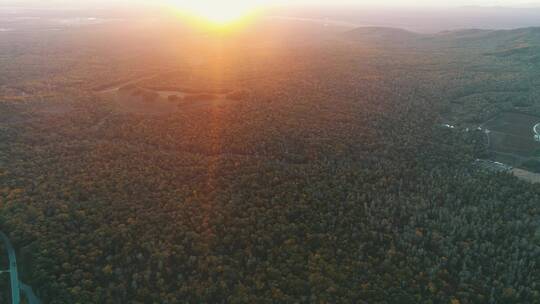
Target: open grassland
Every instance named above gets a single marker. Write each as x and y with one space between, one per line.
512 133
515 124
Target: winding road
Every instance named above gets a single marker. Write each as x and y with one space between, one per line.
16 285
13 273
30 295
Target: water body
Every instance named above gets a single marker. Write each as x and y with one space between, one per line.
32 24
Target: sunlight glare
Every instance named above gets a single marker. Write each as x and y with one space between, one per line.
218 12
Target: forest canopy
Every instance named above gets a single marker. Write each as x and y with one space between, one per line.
322 176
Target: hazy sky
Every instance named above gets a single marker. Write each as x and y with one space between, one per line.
414 3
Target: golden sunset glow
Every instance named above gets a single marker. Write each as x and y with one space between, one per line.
218 13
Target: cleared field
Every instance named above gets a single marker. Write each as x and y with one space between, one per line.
127 103
513 133
526 175
154 102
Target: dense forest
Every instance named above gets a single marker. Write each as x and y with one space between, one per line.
328 180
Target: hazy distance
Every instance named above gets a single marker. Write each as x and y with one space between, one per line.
419 16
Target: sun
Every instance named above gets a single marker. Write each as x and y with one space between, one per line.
218 12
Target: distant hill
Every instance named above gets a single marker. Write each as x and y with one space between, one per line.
522 44
464 34
501 43
501 37
382 35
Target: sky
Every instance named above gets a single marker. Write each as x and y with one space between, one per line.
407 3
